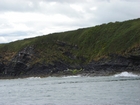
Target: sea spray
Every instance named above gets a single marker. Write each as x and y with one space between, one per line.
33 78
126 74
74 76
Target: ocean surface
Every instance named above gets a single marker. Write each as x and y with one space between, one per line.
119 89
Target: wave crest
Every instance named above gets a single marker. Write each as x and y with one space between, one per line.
126 74
74 76
34 78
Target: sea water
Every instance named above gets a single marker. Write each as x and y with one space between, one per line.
119 89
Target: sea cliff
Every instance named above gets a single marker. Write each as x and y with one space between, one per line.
100 50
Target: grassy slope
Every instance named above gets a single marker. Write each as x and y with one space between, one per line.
90 43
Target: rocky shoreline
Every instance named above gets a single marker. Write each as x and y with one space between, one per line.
100 68
20 66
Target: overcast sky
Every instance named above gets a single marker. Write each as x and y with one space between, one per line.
21 19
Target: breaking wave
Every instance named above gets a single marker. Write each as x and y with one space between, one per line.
126 74
74 76
33 78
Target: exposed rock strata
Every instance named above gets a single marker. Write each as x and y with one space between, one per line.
20 66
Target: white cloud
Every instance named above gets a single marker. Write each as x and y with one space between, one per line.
29 18
93 8
3 40
77 8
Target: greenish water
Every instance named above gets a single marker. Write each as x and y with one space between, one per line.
120 89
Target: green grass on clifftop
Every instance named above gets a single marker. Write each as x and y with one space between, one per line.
82 45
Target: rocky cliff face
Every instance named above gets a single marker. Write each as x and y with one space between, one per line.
114 64
21 65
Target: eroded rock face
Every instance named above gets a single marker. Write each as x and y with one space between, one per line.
20 63
2 68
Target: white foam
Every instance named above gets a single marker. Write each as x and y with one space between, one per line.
34 78
74 76
126 74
